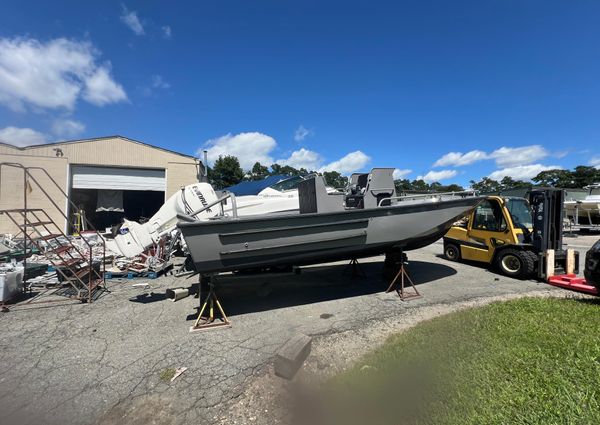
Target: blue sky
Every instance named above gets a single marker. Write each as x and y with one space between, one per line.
448 90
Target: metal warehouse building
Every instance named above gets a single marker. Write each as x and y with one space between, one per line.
108 178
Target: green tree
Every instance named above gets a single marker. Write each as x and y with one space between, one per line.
438 187
225 172
276 169
289 171
509 183
452 188
419 185
584 175
286 170
485 185
259 171
402 185
335 179
555 178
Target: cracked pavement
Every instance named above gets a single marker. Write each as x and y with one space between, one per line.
72 363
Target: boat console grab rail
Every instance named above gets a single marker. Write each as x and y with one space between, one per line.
439 195
221 200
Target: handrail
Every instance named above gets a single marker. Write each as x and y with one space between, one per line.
36 244
462 193
218 201
185 217
27 173
71 203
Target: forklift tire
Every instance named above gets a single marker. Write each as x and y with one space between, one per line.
534 258
516 263
451 252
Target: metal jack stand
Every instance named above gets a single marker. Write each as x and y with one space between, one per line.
204 323
402 273
357 270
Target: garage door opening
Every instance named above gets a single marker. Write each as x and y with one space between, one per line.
137 205
106 195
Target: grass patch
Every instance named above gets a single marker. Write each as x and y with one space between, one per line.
167 374
533 360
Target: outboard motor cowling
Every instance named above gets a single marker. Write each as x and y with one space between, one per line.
592 265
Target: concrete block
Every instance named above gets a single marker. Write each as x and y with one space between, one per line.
177 293
290 357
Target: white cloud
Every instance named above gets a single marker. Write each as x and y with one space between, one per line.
67 127
512 157
436 176
456 159
21 136
504 156
253 147
302 133
311 161
350 163
303 158
595 162
101 89
248 148
158 82
522 172
399 174
166 29
561 154
54 74
131 19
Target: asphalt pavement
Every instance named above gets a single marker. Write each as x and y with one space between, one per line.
72 363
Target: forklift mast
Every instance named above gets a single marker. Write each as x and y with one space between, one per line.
547 213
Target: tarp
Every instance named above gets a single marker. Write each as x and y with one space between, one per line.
254 187
110 200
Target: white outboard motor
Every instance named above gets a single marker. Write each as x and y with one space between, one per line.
135 238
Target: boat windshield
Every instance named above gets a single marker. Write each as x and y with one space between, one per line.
287 184
520 212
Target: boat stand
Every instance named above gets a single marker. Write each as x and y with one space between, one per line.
211 300
402 273
357 270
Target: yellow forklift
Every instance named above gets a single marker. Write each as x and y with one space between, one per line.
518 237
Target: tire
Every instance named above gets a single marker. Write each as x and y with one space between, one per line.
451 252
534 258
592 265
516 263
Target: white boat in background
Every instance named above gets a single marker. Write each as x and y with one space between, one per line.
585 211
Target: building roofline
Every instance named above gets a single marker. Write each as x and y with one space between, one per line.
92 139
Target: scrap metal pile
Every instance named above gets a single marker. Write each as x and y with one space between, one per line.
155 259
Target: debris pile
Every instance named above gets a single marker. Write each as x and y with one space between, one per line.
52 252
155 259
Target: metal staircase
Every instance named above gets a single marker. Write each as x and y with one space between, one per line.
76 264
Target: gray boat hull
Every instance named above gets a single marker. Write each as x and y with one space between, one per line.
300 239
